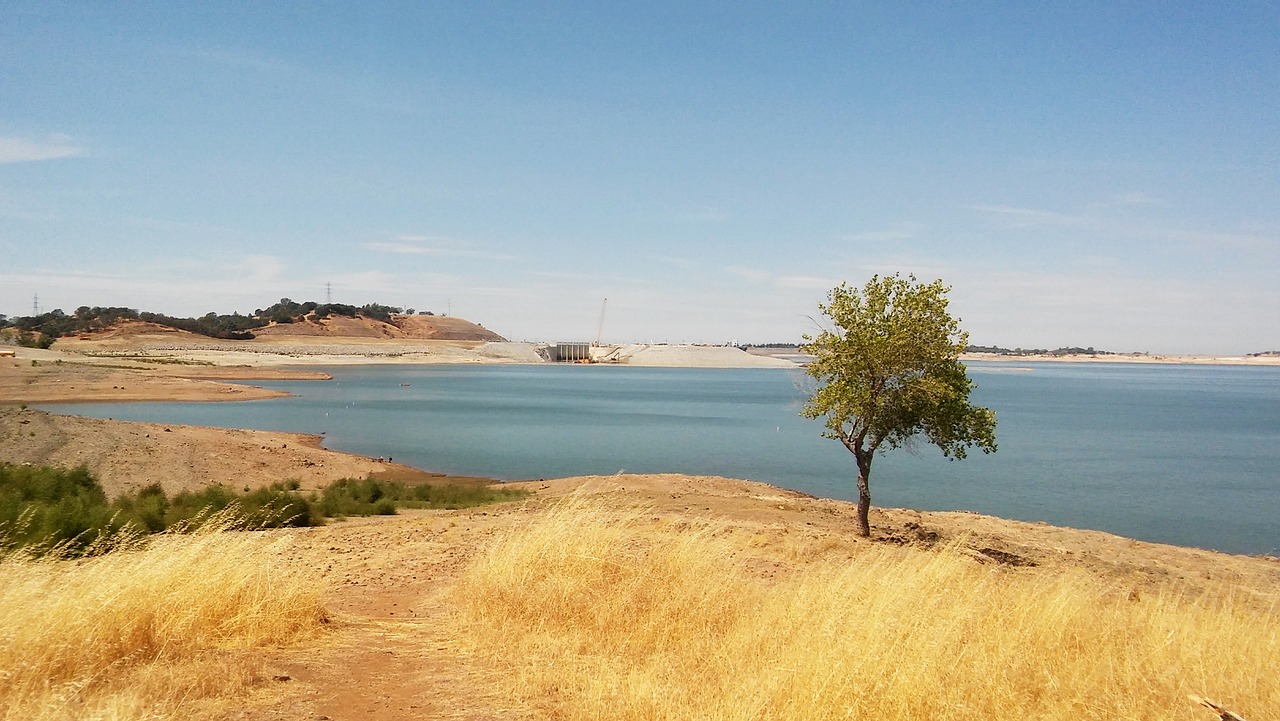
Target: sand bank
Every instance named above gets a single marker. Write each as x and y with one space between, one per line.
126 456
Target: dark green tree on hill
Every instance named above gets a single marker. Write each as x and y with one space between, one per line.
889 372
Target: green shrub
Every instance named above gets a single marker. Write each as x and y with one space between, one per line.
67 511
47 507
275 506
147 508
355 497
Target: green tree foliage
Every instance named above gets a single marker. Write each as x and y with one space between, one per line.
225 327
889 372
324 310
379 312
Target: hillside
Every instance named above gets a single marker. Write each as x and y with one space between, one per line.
413 327
330 320
127 333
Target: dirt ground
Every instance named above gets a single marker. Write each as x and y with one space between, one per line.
126 456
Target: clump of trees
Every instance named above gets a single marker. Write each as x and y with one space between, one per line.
1065 350
42 330
889 371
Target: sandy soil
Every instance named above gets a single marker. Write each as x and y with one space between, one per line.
126 455
686 356
51 377
290 350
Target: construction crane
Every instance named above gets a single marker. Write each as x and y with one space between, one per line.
600 325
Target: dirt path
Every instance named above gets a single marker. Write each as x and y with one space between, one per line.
390 654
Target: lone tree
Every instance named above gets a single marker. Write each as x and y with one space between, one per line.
890 372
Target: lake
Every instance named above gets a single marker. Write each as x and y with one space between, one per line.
1188 455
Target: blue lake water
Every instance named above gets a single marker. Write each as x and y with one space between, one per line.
1177 454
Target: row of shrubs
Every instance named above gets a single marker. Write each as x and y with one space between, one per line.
45 508
41 330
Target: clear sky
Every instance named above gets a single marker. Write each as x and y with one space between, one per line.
1082 173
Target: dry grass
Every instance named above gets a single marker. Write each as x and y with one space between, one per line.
599 615
154 630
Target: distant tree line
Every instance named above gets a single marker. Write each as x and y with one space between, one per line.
1072 350
40 331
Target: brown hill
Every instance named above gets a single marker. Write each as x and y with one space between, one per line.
413 327
418 327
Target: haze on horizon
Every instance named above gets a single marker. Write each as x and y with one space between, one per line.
1092 174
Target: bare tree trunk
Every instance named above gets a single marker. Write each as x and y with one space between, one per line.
864 493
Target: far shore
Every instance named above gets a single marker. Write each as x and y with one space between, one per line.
1141 358
77 371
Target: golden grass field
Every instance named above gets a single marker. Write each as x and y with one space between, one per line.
164 629
598 604
595 614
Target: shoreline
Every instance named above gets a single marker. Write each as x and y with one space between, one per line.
127 455
1130 358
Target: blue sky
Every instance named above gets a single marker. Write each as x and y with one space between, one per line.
1096 174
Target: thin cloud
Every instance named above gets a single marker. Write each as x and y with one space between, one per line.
787 282
806 282
241 59
1212 240
435 246
709 215
750 274
901 231
572 276
1025 216
29 150
260 268
673 260
1138 198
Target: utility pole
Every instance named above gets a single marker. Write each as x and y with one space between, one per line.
328 293
35 306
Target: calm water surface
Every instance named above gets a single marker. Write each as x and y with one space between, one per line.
1177 454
